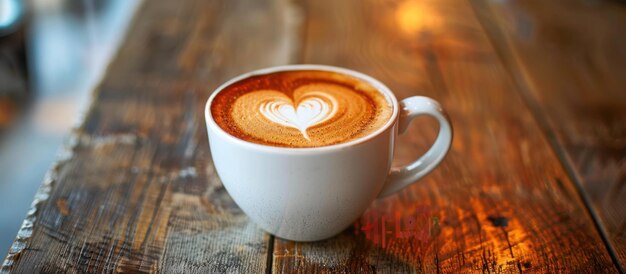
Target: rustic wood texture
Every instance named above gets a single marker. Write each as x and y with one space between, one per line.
500 202
136 190
569 59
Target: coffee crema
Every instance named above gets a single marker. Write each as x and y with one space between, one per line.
300 109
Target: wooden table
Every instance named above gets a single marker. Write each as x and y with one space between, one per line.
535 181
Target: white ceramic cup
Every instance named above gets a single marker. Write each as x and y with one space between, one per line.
309 194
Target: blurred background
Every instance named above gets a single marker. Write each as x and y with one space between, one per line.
52 53
565 60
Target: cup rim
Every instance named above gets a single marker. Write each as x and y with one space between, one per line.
299 67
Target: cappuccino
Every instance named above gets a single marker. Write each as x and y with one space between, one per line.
300 109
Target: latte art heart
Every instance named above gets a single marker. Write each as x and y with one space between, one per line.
300 109
309 112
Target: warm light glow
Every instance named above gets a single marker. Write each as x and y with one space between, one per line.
414 16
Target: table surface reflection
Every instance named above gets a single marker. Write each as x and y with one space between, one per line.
534 180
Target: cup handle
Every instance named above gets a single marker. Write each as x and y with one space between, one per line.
401 177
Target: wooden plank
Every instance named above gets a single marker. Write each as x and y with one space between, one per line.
500 202
136 190
569 58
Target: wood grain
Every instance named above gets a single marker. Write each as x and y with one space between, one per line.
500 202
569 60
136 190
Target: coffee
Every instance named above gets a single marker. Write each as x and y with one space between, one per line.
300 109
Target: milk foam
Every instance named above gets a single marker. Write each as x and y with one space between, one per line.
309 112
300 109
